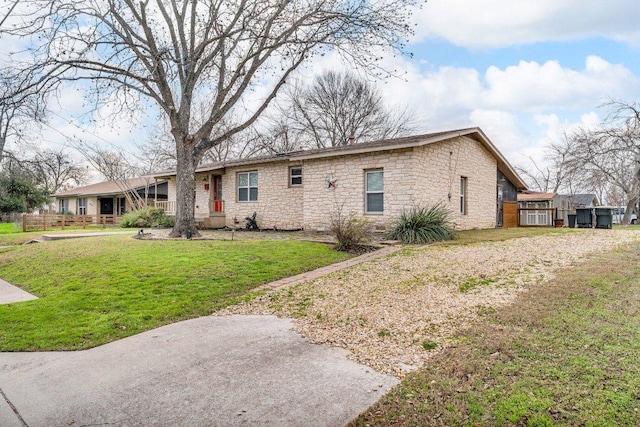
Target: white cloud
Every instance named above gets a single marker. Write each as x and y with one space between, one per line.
520 107
531 86
526 88
497 23
504 129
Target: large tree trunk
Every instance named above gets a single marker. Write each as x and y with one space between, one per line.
185 191
630 208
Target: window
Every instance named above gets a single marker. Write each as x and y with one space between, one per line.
463 195
248 186
295 176
374 191
63 206
121 206
82 206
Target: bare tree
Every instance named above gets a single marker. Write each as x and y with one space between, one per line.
113 164
609 156
555 173
54 170
20 108
175 53
334 107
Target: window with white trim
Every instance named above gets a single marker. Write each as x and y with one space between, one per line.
82 206
295 176
247 186
63 206
374 186
463 195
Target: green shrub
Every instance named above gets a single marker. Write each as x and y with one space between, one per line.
420 225
350 231
148 217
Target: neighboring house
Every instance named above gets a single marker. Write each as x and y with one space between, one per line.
578 201
374 180
541 209
110 198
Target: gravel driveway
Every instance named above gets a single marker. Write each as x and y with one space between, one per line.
389 312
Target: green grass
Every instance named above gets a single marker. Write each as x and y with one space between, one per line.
96 290
466 237
18 237
8 227
565 354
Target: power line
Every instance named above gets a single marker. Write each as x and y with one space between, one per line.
117 147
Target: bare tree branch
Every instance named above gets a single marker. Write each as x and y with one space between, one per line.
609 157
334 107
179 53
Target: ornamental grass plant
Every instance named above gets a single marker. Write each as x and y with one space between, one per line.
423 224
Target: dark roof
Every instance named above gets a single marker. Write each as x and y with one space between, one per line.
107 188
581 199
372 146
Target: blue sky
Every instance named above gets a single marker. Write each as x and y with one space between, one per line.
522 70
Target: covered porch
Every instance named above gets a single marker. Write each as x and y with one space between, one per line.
210 206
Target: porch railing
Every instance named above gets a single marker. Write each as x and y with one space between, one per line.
169 207
216 206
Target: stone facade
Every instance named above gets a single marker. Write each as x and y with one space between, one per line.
347 195
202 195
439 169
420 175
279 205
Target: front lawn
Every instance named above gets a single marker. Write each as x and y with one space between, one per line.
99 289
566 354
8 227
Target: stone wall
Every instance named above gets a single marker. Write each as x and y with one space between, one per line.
279 205
202 195
412 176
321 203
439 168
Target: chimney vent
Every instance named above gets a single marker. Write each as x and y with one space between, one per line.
352 140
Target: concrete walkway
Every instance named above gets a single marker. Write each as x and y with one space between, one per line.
323 271
10 294
62 236
210 371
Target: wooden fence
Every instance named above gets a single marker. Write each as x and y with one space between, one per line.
60 222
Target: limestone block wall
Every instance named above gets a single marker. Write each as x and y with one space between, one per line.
322 203
439 168
92 206
202 195
279 205
413 176
171 189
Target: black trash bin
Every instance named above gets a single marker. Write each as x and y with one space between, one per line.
604 217
572 221
584 218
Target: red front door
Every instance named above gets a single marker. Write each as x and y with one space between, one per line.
217 194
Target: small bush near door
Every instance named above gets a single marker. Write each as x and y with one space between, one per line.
149 217
422 224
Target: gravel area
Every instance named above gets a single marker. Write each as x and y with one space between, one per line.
389 312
